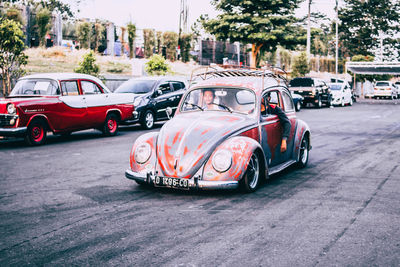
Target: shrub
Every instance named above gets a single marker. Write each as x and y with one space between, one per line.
300 65
88 65
157 66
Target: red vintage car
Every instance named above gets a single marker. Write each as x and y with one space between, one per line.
227 142
61 103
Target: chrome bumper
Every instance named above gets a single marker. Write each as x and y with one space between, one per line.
20 131
193 183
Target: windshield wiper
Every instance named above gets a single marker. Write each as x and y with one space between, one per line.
187 103
223 106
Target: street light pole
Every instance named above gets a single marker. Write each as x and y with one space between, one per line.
309 31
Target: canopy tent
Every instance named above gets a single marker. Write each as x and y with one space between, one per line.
392 68
372 68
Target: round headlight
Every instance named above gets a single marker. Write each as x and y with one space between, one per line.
142 153
11 109
222 160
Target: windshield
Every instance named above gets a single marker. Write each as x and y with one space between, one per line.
220 99
335 86
301 82
382 84
36 87
136 86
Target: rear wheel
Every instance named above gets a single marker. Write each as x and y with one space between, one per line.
251 178
298 106
37 133
110 127
304 153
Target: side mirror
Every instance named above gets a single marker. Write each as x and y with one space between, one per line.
158 92
168 110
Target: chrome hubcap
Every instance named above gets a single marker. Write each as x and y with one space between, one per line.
149 120
253 171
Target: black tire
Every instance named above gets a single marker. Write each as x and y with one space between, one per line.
329 103
298 106
351 102
37 133
342 103
319 103
304 153
110 127
147 120
251 179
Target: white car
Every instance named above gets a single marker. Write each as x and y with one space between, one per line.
385 89
341 94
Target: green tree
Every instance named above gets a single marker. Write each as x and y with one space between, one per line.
88 65
185 47
170 42
300 65
263 23
131 39
43 19
15 15
362 22
83 34
51 5
159 42
149 42
12 56
97 36
157 65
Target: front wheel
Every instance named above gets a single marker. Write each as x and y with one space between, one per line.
110 127
304 153
37 133
148 120
251 178
351 102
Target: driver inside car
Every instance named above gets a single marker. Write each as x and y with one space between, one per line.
208 100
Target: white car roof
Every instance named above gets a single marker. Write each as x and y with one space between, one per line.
65 76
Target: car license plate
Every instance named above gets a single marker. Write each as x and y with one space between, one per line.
171 182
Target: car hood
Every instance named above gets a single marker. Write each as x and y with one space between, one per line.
187 141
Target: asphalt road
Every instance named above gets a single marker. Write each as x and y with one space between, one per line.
68 203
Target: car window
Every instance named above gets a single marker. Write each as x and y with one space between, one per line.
165 88
271 97
89 88
287 102
301 82
178 85
69 88
382 84
36 87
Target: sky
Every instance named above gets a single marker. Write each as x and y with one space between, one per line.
163 15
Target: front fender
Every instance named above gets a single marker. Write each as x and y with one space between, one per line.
241 148
301 131
148 166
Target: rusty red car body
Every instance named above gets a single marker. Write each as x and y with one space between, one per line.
225 148
61 103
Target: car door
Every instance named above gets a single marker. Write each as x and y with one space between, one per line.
163 98
289 110
271 131
73 112
96 102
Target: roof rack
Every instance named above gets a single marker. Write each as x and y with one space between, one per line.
217 71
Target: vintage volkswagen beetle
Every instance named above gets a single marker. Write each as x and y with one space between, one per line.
61 103
235 144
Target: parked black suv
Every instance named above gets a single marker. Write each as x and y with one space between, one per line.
154 96
313 90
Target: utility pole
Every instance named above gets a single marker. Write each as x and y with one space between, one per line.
337 41
309 31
